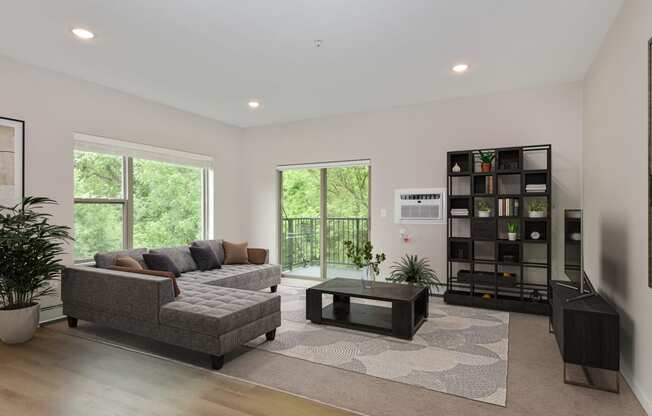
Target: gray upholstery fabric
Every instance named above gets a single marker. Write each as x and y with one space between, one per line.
180 256
214 310
213 314
240 276
107 259
216 245
119 293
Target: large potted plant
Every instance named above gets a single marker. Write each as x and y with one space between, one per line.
412 269
363 258
30 248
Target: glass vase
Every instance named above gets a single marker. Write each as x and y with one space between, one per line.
368 277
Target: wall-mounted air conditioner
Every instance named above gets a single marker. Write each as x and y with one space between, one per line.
420 206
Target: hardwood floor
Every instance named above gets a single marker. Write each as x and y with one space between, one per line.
55 374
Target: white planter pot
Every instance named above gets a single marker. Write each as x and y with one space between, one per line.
18 325
537 214
511 236
484 214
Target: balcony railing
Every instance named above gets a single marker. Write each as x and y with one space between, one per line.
300 245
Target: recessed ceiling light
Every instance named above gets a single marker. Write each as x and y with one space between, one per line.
253 104
82 33
460 68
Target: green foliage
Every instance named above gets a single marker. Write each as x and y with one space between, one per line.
30 248
347 192
167 201
483 206
512 227
487 157
361 256
537 205
412 269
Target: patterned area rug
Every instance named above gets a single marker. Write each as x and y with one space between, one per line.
458 350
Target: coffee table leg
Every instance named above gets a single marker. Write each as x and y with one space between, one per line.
402 319
341 304
313 306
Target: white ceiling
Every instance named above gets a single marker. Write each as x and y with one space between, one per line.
210 57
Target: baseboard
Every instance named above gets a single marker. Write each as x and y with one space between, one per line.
639 393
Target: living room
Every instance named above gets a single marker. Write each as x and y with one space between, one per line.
230 167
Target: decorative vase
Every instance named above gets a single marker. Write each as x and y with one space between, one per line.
511 236
18 325
368 277
485 167
537 214
456 168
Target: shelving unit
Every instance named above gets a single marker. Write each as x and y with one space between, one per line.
485 268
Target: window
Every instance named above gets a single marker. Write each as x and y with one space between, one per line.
122 201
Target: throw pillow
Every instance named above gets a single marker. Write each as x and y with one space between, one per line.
169 275
124 261
257 255
205 258
235 253
160 262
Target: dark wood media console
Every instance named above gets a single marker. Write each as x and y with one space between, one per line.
587 332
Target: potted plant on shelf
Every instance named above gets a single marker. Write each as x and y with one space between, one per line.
512 231
29 259
536 208
484 211
486 158
363 258
413 270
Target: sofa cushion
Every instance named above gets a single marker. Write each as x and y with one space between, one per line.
106 259
235 253
205 258
147 272
216 245
242 276
214 310
180 256
124 261
161 262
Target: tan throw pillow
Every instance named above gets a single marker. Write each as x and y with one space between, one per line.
235 253
157 273
124 261
257 255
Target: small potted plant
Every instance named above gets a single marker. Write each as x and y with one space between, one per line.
362 257
413 270
512 231
536 208
30 248
484 211
486 159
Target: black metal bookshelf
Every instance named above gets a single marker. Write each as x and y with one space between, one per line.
485 268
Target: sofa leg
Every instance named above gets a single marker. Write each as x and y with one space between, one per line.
72 322
273 288
217 361
271 335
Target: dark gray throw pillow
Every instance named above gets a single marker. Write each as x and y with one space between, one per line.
205 258
160 262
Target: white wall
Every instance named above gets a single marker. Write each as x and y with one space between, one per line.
55 106
615 186
407 147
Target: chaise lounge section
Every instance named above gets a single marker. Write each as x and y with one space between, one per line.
215 312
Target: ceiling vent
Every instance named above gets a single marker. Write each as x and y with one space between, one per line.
419 206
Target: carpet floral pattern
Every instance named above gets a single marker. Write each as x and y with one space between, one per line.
458 350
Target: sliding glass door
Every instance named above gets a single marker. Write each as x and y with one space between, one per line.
321 208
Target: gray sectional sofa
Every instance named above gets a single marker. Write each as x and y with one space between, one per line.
217 310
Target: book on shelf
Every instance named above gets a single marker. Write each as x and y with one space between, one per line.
508 207
536 188
459 212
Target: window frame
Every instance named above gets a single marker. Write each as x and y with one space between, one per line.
127 201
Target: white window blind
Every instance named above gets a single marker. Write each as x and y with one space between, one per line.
323 165
89 143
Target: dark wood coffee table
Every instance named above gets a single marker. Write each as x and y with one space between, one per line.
408 311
